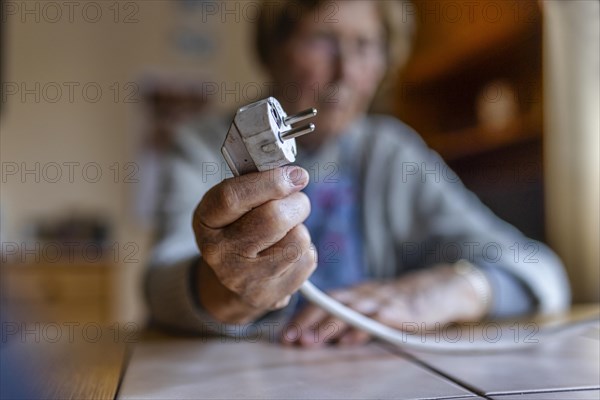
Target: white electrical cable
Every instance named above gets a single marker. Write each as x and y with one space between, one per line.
406 340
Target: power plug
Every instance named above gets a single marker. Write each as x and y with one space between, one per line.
262 137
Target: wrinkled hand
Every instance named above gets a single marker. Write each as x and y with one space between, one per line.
255 250
423 299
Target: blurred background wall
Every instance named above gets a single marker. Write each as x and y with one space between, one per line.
73 91
90 90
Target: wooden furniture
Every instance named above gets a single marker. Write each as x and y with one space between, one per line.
58 335
482 58
56 292
62 360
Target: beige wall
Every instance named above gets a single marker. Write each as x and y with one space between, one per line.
572 142
105 132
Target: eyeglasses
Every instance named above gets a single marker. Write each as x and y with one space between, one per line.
329 45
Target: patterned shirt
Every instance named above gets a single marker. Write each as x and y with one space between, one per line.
335 221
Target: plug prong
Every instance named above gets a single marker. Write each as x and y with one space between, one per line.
299 131
301 116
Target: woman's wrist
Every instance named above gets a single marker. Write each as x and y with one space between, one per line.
478 286
220 302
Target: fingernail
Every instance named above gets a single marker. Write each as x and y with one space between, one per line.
297 176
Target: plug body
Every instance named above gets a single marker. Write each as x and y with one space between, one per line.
262 137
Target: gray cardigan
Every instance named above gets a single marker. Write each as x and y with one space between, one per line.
416 213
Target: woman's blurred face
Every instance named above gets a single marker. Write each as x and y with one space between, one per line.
333 62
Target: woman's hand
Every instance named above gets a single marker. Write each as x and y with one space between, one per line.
425 298
255 250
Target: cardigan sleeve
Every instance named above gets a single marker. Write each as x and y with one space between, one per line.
433 219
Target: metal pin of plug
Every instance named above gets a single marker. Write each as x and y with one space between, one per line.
301 116
299 131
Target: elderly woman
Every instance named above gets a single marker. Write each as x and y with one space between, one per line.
399 238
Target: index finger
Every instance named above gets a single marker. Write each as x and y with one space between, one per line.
234 197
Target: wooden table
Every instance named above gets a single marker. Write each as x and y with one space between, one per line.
560 367
62 360
168 367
